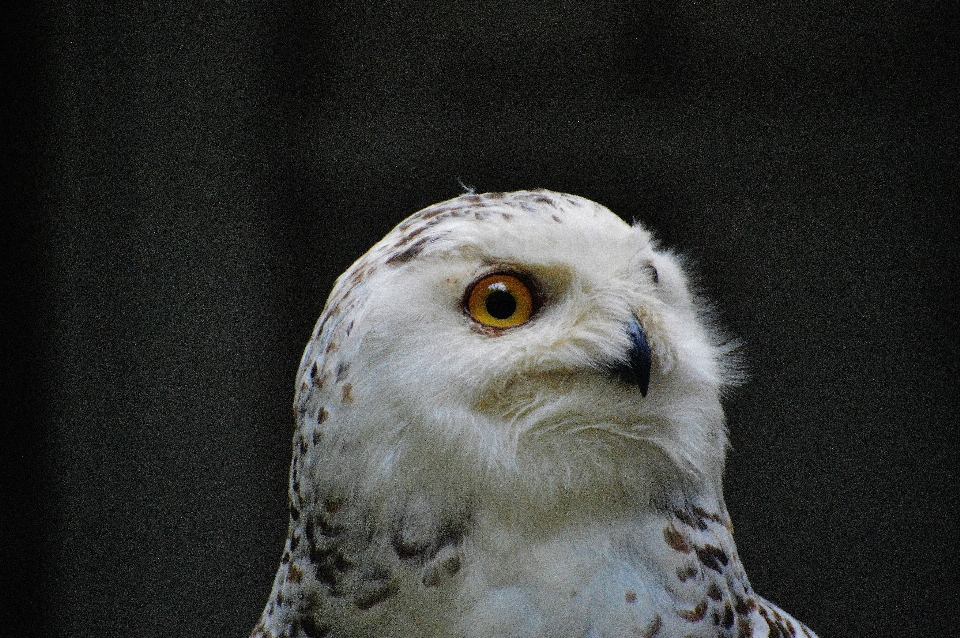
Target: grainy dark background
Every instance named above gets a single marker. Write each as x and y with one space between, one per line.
182 184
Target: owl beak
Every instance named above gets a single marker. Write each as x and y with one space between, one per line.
635 368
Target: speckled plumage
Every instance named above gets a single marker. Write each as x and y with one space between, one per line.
457 480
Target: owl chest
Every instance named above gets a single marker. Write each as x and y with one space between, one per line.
648 578
596 583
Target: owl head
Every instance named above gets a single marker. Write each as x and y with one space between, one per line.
526 348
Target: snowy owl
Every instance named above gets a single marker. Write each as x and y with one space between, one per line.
509 424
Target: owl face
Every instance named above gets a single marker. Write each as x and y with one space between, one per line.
528 343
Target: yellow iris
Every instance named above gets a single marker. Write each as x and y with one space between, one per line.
500 300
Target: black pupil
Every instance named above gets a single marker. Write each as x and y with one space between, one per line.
501 304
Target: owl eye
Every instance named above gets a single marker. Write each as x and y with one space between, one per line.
500 300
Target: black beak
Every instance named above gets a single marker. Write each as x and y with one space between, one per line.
635 369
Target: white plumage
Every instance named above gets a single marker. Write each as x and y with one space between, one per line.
509 424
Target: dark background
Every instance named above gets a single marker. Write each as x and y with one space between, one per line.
183 184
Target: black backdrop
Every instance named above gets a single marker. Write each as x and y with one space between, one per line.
183 184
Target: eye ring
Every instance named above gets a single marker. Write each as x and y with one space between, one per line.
500 300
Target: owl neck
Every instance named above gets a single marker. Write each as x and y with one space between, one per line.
540 487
